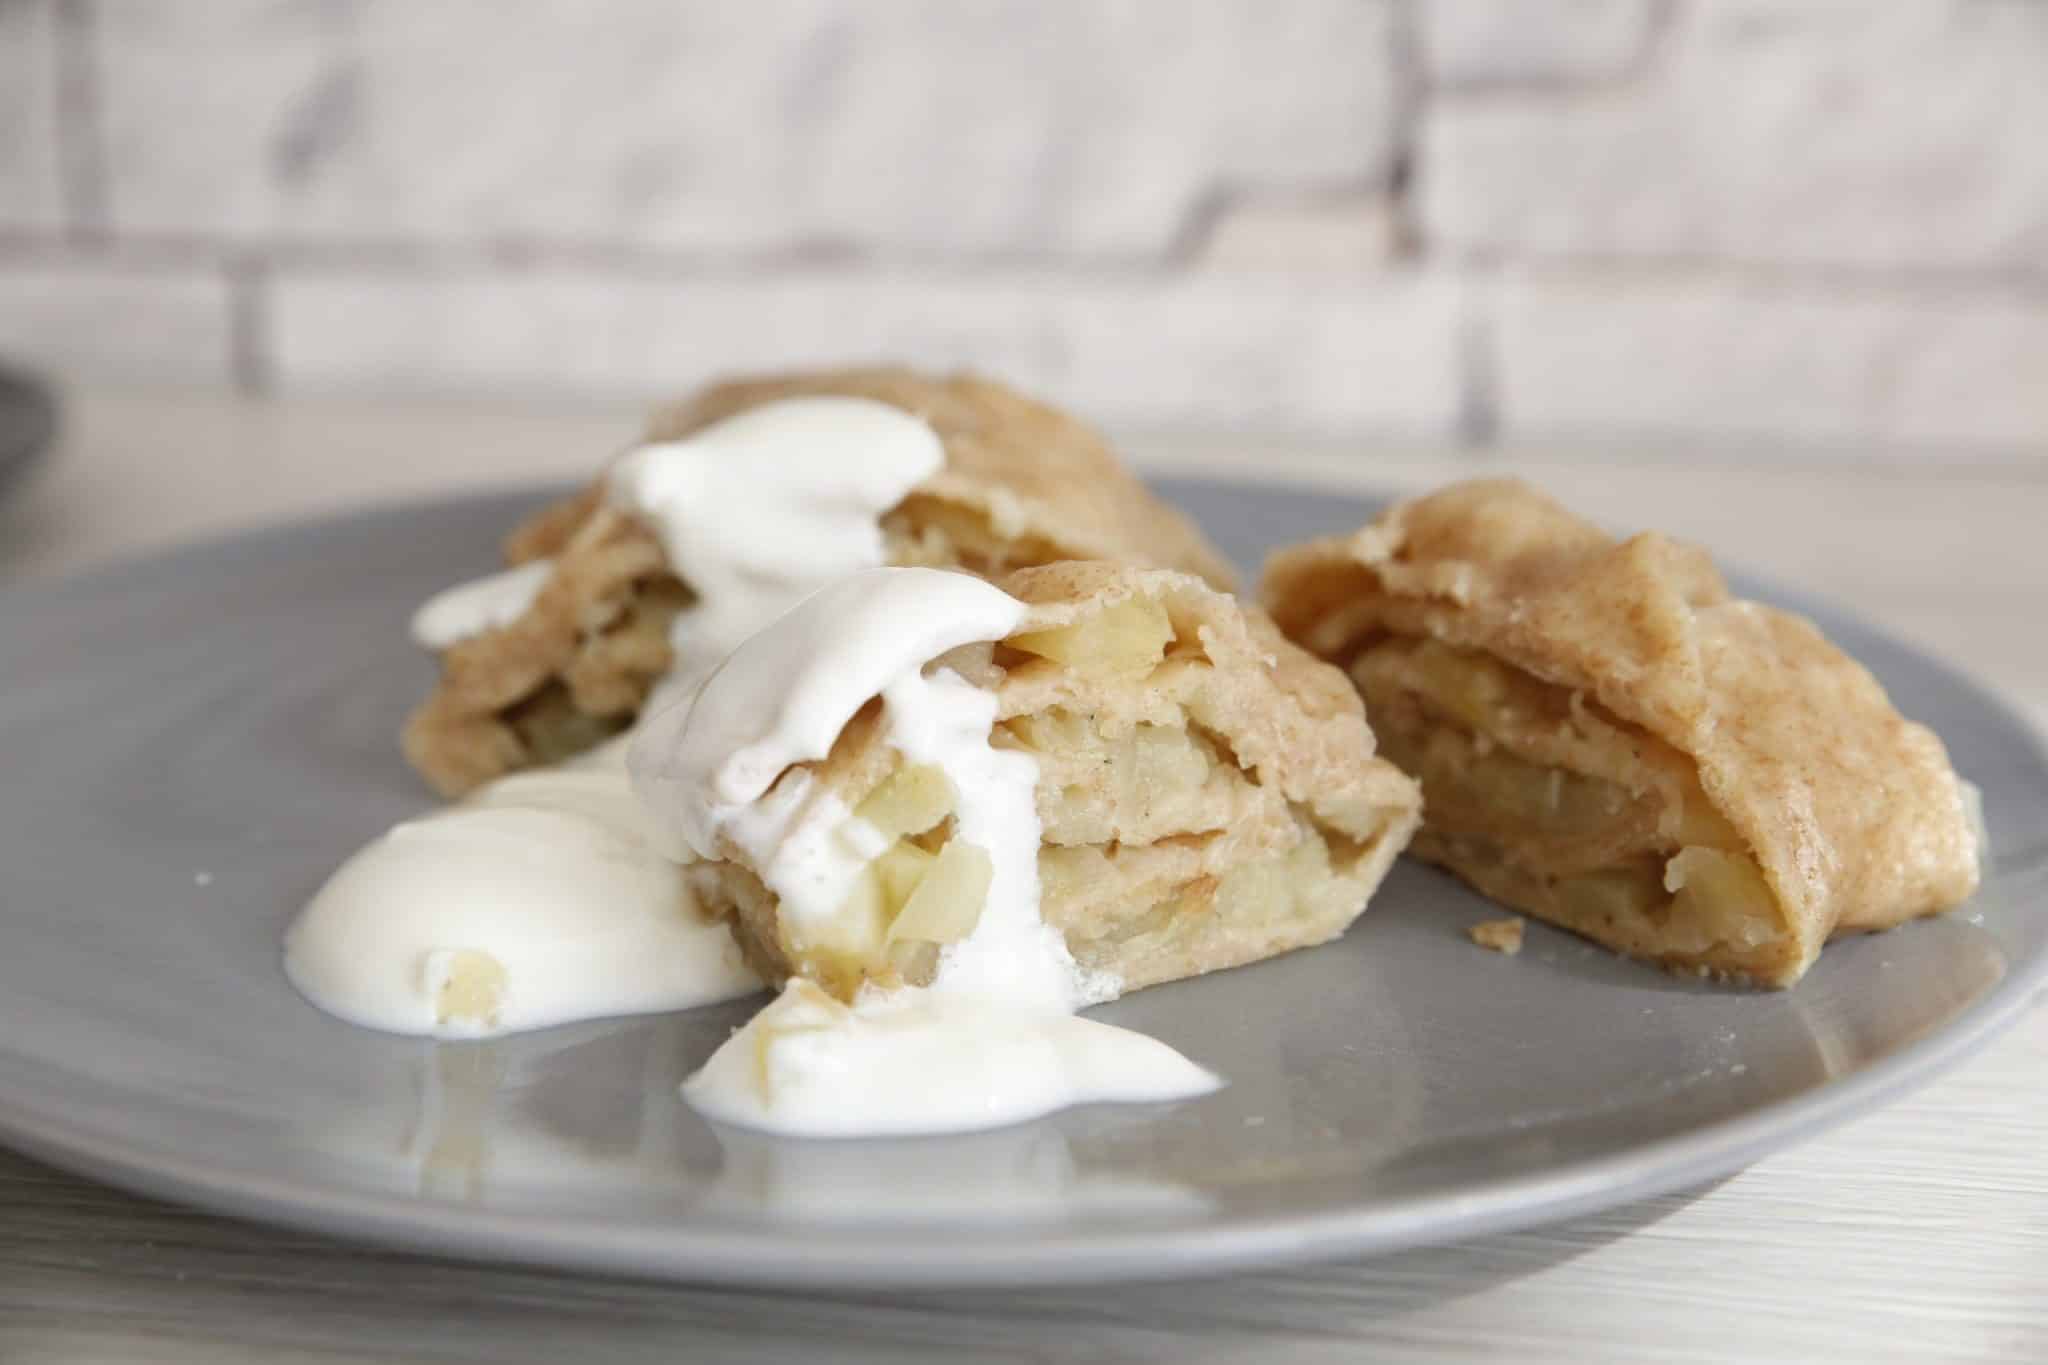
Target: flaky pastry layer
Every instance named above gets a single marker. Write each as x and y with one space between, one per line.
1209 793
1023 484
1586 713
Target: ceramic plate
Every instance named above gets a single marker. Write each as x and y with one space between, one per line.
192 742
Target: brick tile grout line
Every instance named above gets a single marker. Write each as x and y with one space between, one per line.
1187 255
250 366
629 260
2026 280
1408 108
1195 234
628 263
1640 67
251 269
1683 452
1478 421
81 158
1940 463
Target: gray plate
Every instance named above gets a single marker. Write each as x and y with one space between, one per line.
192 742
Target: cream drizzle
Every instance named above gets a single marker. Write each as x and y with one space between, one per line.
992 1039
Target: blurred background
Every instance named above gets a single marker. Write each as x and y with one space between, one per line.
1817 224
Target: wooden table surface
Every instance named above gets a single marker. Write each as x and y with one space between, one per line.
1919 1233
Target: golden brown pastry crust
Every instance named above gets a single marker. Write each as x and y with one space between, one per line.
1023 484
1046 484
1503 936
1852 812
1294 775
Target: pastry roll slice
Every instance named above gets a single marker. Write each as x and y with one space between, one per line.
1610 741
596 587
1199 793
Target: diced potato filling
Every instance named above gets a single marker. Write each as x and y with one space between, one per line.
1510 791
1610 894
471 989
1234 907
1158 761
1699 823
1461 778
1725 893
909 801
898 872
1141 781
945 902
1055 730
1701 898
1295 884
1610 854
1064 873
906 901
842 943
1468 687
1130 637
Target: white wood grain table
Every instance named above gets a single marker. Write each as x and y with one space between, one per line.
1919 1233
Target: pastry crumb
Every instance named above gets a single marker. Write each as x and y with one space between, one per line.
1501 935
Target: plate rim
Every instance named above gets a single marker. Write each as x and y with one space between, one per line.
967 1257
943 1259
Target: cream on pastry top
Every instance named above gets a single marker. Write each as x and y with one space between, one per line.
543 898
990 1041
760 510
782 699
754 513
469 609
547 898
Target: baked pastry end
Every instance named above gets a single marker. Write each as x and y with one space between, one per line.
1208 795
1609 740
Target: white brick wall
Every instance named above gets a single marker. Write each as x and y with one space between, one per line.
1595 355
922 126
1379 351
1477 42
127 323
29 195
1814 222
1330 234
1905 133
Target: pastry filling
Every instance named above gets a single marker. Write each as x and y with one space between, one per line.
923 531
925 889
623 647
888 868
1547 801
635 591
1152 810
